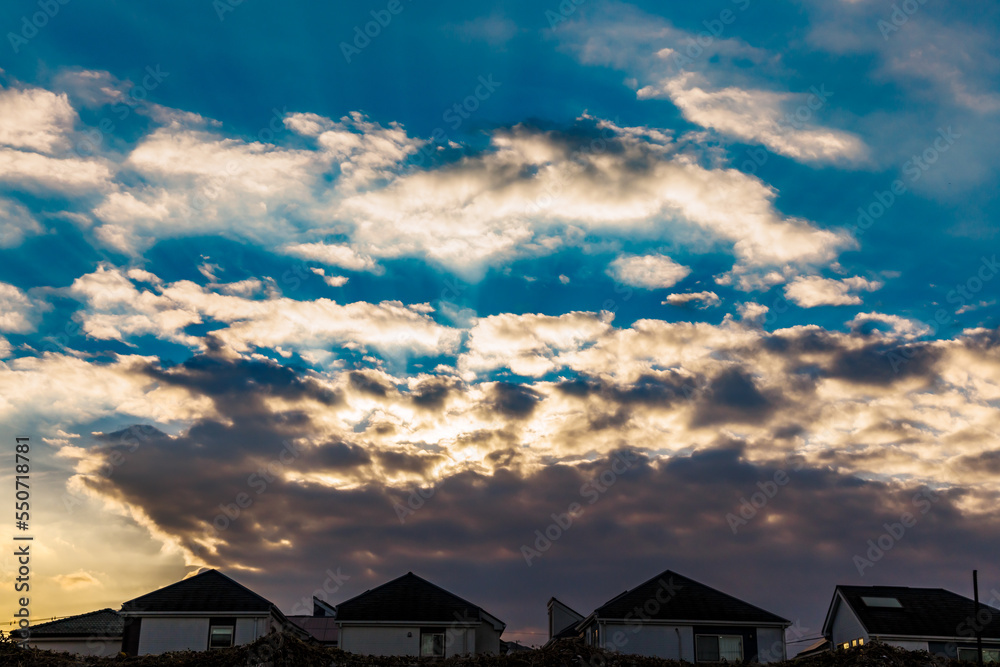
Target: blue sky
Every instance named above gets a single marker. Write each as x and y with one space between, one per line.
481 249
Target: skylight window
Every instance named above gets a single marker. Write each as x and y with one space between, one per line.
882 602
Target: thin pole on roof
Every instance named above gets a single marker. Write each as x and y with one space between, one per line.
979 629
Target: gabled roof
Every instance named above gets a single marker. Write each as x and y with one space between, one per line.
410 598
685 600
101 623
922 612
210 591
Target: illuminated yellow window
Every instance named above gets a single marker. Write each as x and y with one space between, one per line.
854 642
861 642
846 645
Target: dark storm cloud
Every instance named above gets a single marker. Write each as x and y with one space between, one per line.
416 463
732 396
517 401
240 386
369 384
883 364
432 394
337 455
986 462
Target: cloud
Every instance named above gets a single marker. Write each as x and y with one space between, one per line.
16 222
35 119
697 299
647 271
117 309
679 66
75 580
813 291
19 313
341 256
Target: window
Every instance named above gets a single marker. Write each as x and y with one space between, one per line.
969 654
715 648
431 644
220 636
889 603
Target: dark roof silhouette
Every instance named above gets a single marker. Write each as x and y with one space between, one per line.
686 600
409 598
209 591
101 623
925 612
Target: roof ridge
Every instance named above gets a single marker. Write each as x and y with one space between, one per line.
187 580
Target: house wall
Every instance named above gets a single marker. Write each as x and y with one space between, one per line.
459 641
99 647
487 639
249 630
770 645
159 635
846 626
376 640
675 642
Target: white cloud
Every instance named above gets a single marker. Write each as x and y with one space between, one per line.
701 299
15 223
332 281
19 313
676 65
342 256
117 309
812 291
647 271
35 119
902 327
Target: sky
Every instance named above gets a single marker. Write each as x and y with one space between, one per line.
532 299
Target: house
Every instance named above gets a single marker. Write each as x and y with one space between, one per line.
929 619
322 625
411 616
672 616
94 634
821 646
206 611
562 621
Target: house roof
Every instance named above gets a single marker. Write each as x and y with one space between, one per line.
410 598
923 612
682 599
101 623
210 591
